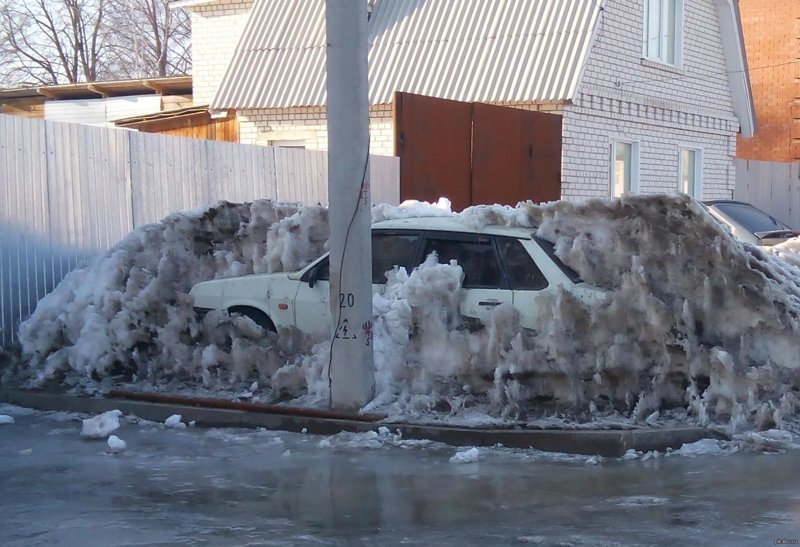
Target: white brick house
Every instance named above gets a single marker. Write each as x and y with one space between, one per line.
652 92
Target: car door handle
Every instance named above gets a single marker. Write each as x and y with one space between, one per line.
490 303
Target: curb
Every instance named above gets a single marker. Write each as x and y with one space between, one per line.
590 442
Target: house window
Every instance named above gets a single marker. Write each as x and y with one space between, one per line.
663 31
690 170
288 143
624 168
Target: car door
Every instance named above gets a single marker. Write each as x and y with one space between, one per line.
521 261
311 302
485 285
389 249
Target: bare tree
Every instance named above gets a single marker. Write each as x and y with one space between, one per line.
46 42
152 40
53 41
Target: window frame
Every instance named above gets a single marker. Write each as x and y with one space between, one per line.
633 186
664 7
697 186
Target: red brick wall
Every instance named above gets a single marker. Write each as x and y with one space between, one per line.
772 40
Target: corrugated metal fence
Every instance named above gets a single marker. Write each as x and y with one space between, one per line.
771 186
68 192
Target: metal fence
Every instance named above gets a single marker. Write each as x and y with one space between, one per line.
68 192
771 186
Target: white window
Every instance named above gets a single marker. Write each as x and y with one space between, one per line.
663 31
288 143
690 172
624 168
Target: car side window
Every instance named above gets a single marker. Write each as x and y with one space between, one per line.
476 257
523 273
390 250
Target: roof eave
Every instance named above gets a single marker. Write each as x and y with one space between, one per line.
174 4
730 24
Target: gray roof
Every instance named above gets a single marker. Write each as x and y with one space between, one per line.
468 50
488 50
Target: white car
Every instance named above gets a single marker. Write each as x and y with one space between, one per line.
500 264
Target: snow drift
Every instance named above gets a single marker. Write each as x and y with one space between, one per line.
697 327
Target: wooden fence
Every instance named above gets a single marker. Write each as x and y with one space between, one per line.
69 192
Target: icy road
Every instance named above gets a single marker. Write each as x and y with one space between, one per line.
191 486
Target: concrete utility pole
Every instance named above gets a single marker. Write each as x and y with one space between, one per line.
351 374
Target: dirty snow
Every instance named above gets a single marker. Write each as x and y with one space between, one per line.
697 328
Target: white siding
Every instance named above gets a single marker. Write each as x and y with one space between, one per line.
101 112
216 28
662 108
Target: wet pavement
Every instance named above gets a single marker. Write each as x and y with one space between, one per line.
254 487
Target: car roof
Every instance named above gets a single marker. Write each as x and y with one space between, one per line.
451 224
715 201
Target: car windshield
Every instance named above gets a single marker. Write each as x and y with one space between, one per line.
752 219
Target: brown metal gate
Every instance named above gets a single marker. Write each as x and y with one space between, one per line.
476 153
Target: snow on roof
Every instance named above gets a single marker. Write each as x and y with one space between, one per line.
697 328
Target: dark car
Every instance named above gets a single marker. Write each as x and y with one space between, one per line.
749 223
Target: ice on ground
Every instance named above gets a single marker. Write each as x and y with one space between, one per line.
14 410
5 419
772 440
696 329
466 456
101 426
116 445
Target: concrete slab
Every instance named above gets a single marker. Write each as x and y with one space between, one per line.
607 443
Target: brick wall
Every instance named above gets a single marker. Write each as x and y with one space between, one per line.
772 41
266 126
216 28
661 108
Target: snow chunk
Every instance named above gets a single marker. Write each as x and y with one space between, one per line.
101 426
175 422
703 447
5 419
467 456
116 445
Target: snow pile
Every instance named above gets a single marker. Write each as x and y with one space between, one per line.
697 328
128 313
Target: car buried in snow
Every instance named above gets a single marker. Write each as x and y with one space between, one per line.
501 265
749 223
